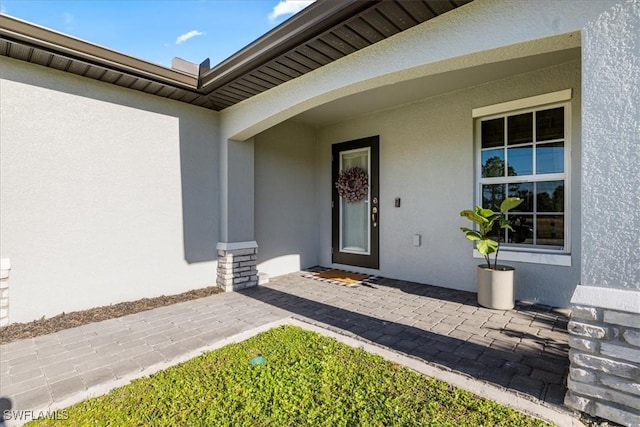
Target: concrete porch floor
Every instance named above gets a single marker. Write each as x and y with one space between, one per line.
523 350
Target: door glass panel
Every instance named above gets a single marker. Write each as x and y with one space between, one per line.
354 217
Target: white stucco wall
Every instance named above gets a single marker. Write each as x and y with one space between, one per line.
611 219
427 159
286 214
107 194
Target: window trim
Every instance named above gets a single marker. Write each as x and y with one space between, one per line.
539 254
531 257
520 104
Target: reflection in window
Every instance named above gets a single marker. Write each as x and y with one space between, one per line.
520 161
520 128
522 229
524 190
492 196
550 124
492 163
550 158
493 133
550 230
550 196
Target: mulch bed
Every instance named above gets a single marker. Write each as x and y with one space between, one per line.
18 331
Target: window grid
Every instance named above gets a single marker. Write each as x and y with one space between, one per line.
556 221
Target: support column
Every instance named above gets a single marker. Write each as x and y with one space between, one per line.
237 265
237 250
604 372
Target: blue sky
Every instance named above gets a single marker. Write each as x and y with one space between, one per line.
158 30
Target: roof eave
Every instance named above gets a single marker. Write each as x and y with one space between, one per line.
310 22
42 38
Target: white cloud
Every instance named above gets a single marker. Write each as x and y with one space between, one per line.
288 7
68 19
186 36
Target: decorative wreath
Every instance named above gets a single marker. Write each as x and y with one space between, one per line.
353 184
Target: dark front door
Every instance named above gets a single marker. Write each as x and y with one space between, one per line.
355 223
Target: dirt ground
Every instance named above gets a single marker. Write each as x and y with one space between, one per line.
18 331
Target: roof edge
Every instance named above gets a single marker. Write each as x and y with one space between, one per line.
23 32
304 25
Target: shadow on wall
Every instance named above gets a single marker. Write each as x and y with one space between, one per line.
200 192
199 150
286 216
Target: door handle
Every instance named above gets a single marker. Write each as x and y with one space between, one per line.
374 215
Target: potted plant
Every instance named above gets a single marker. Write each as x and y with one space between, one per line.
495 282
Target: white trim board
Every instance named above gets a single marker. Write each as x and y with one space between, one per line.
563 260
518 104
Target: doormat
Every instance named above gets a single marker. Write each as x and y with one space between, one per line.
340 277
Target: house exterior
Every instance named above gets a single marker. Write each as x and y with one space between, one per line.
121 179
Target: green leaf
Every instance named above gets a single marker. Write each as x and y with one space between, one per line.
473 216
504 223
510 203
473 235
486 213
487 246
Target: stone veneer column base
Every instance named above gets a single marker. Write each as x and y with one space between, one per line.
237 265
604 341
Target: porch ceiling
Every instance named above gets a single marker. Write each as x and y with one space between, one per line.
414 90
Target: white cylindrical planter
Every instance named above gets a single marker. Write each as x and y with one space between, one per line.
495 287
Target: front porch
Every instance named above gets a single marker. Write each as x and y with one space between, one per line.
523 350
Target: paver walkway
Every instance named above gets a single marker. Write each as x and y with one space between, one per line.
524 349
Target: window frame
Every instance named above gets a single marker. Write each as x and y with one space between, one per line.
515 252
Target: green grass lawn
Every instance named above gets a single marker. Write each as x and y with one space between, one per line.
308 380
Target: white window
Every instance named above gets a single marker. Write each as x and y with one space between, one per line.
523 150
